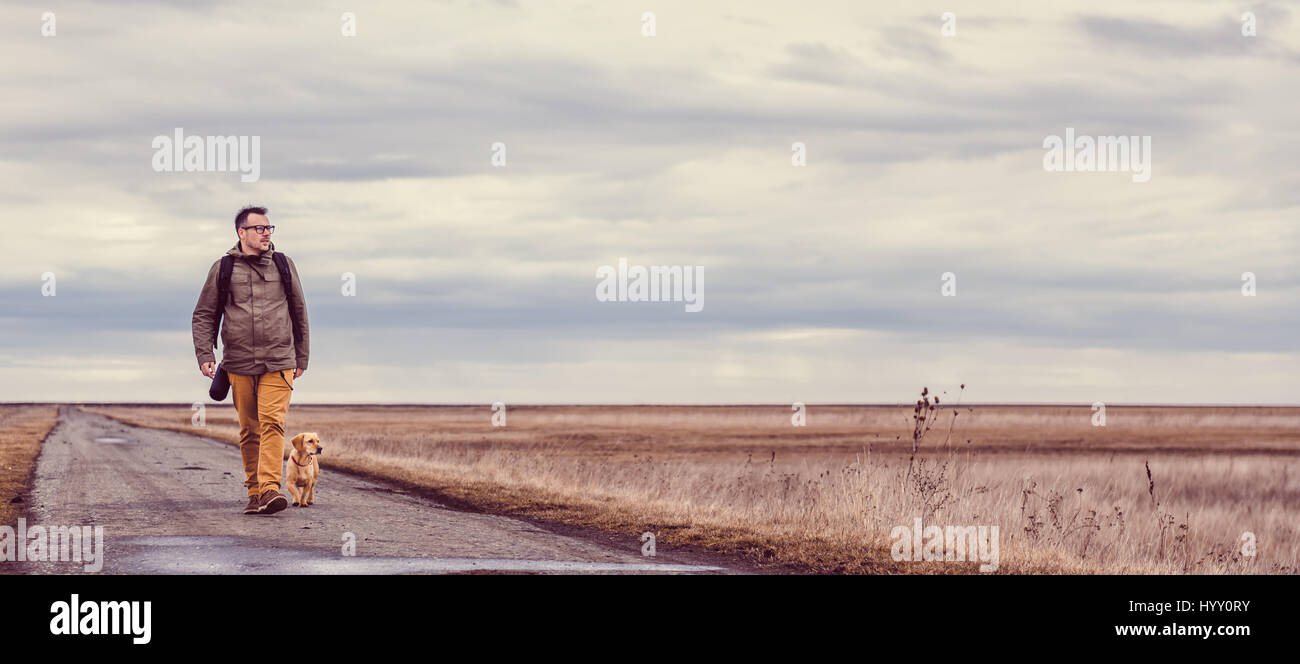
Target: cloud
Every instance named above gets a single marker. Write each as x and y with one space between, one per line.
475 281
1222 38
914 45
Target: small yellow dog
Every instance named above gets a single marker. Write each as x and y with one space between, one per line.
304 470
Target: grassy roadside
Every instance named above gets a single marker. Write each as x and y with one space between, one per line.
595 518
1159 491
22 430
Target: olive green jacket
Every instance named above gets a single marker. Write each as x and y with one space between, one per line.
256 329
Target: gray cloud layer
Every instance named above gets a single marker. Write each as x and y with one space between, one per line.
924 157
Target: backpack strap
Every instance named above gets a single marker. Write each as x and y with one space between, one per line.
286 279
223 292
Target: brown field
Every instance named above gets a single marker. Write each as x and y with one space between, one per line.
22 428
1067 497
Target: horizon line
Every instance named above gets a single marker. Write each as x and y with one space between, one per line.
383 404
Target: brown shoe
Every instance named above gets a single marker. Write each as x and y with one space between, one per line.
252 505
272 501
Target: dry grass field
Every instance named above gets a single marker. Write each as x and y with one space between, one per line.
22 428
1068 497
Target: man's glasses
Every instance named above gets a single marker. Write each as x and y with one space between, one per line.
260 229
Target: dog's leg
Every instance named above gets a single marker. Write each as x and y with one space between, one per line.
311 492
293 492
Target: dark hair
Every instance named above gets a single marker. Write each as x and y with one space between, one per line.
243 215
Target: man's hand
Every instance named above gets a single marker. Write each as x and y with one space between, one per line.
209 369
297 373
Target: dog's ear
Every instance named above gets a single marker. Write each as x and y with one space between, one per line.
297 441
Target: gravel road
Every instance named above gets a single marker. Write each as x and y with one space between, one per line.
172 503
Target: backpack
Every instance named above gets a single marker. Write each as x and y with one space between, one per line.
223 292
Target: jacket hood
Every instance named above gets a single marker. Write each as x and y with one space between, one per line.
264 259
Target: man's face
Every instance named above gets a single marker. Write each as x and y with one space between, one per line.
254 242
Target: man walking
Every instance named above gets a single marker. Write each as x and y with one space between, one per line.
264 348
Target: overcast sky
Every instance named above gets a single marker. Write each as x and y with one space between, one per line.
476 283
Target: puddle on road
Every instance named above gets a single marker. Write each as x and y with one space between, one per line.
231 555
180 540
111 439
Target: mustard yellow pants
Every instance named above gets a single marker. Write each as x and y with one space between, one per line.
262 402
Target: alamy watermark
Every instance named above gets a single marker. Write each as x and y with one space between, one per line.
242 154
1086 154
648 544
53 544
77 616
657 283
949 544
